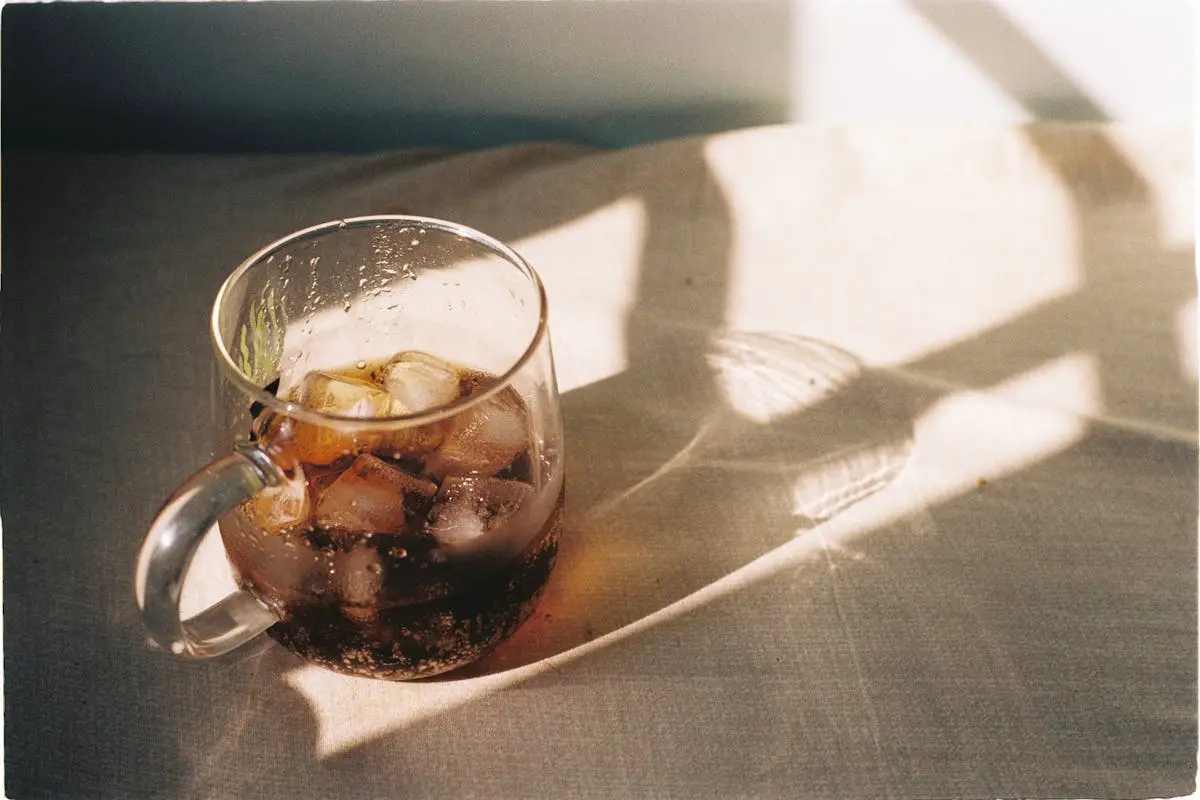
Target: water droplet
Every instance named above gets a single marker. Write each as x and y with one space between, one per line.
415 242
347 308
361 365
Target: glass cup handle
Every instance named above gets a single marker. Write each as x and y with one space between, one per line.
171 543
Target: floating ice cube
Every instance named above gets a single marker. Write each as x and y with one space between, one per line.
372 496
281 508
418 382
344 396
484 439
466 508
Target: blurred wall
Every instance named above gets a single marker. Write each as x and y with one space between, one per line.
358 75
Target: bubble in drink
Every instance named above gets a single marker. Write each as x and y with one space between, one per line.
373 496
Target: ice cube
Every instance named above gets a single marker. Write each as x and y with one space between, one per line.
372 496
281 508
483 439
345 396
418 382
468 507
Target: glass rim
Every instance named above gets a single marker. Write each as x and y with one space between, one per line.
300 412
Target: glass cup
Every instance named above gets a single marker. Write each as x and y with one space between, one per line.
393 502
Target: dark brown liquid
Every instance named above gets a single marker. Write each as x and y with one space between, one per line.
401 593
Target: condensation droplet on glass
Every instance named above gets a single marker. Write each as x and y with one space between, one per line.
415 242
361 365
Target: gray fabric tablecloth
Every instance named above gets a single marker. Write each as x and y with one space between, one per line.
968 569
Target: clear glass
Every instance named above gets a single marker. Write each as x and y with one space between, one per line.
392 379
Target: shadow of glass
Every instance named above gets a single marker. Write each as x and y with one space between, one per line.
800 434
975 650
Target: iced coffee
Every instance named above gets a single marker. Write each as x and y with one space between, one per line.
399 551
